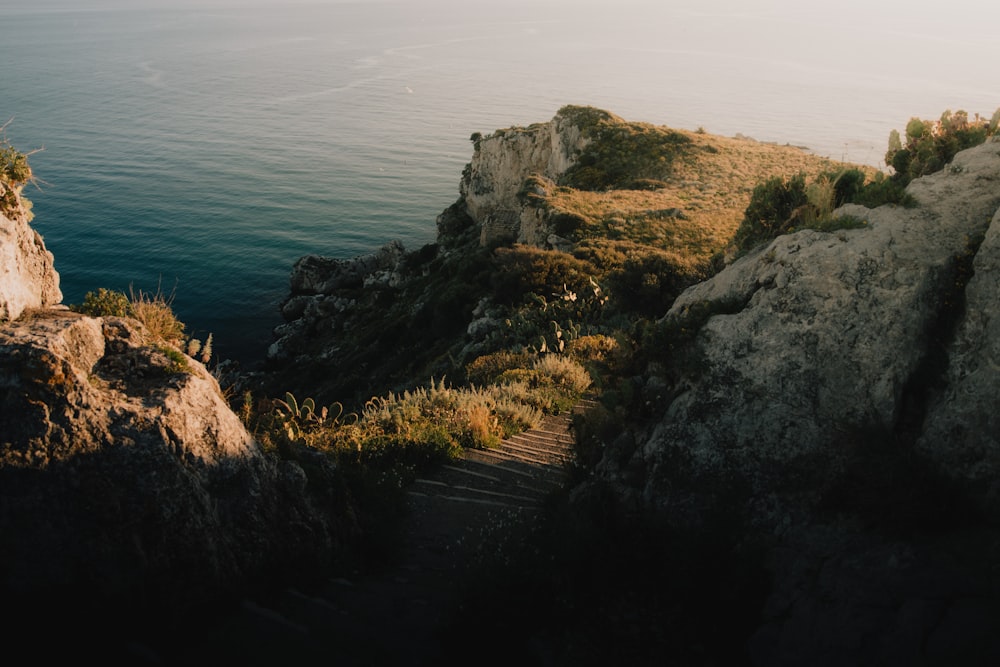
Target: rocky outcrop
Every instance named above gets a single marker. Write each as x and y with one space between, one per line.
323 289
28 278
838 401
507 162
128 488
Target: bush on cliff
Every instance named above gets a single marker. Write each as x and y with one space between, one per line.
620 154
15 172
153 310
930 145
780 206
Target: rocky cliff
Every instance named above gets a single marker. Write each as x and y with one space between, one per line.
639 208
493 183
839 402
28 278
131 496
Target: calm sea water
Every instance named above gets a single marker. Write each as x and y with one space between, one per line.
200 152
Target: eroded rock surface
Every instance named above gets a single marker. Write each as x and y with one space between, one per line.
502 164
28 278
127 485
839 402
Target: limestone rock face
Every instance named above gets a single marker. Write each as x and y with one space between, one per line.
28 278
822 335
126 480
839 402
500 167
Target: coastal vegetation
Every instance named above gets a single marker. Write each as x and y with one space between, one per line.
781 206
475 343
649 211
155 311
15 173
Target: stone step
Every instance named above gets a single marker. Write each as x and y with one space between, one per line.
445 489
471 498
493 477
541 439
533 448
501 452
551 434
452 515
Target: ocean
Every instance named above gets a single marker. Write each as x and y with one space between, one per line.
199 149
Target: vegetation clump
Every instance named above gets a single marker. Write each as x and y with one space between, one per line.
155 312
620 154
15 173
780 206
930 145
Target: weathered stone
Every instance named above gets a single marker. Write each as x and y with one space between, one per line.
502 165
126 482
28 278
314 274
838 405
961 431
824 334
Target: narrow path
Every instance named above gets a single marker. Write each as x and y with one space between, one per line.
400 616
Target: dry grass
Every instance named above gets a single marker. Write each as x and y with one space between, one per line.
701 203
157 315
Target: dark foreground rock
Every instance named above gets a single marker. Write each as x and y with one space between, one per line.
838 404
131 496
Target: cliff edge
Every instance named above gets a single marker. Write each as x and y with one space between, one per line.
28 278
133 501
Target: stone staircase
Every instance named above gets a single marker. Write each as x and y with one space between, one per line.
400 615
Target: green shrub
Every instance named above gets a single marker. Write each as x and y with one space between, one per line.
105 303
930 145
620 154
15 172
780 206
14 168
523 270
650 279
488 368
770 212
883 190
154 311
565 373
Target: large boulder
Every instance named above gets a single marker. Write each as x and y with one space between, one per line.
816 337
128 488
28 278
837 404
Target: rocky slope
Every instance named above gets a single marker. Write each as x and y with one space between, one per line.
132 499
28 278
838 403
825 412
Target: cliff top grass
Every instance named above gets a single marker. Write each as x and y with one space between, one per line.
677 190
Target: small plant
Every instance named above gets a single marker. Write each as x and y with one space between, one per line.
15 173
198 350
296 416
178 362
156 313
105 303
